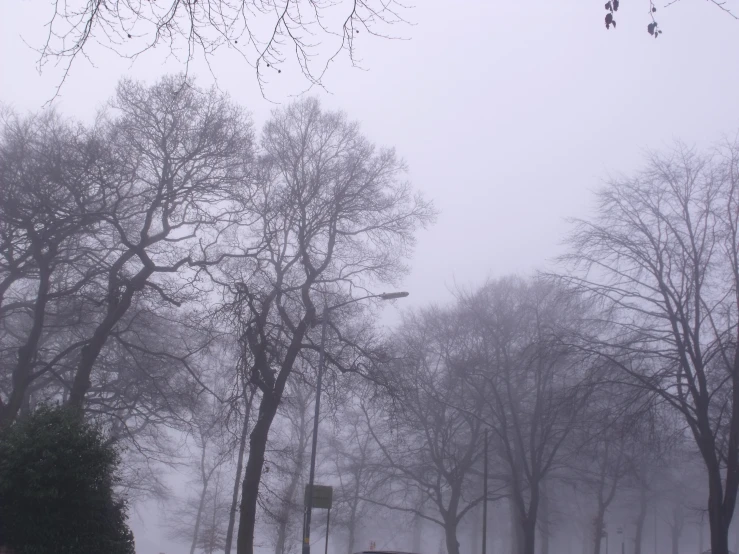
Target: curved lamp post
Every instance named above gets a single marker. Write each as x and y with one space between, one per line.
321 362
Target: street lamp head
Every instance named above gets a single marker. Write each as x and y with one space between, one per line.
392 295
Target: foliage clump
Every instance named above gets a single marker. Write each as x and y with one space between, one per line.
57 478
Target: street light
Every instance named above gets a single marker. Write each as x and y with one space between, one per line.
321 362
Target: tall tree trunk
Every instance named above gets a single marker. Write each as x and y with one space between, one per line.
526 519
21 375
450 532
676 528
675 536
417 533
517 532
641 518
253 474
214 520
716 521
205 478
239 468
352 526
474 531
91 351
289 498
529 535
544 521
352 523
597 529
287 503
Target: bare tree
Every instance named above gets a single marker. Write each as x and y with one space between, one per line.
333 217
662 256
433 445
48 204
357 467
179 153
213 452
537 387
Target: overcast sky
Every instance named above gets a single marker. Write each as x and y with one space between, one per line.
508 112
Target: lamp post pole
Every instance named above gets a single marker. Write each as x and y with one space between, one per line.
319 379
314 445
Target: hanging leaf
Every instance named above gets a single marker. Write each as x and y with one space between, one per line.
615 5
608 6
651 27
609 20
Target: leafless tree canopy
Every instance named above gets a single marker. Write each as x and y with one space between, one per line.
270 35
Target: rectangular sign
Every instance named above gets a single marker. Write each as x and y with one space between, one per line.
322 496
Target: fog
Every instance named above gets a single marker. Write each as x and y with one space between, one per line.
560 204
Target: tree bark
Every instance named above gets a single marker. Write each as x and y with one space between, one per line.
239 469
640 520
292 486
91 351
253 474
544 523
21 376
450 532
717 524
205 478
597 527
526 519
517 540
676 528
417 533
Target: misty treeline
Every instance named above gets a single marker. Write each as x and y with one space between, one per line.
164 268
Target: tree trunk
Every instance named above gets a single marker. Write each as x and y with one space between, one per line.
253 474
352 523
675 536
526 519
213 522
517 532
239 468
597 528
201 504
289 498
21 375
529 535
282 532
716 521
417 533
640 520
544 521
287 504
474 531
676 528
450 532
91 351
700 536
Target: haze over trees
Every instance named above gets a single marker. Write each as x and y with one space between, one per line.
163 271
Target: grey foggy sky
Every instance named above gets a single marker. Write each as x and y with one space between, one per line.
508 113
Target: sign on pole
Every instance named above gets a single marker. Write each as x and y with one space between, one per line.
322 496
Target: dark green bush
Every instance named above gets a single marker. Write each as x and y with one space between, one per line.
57 475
